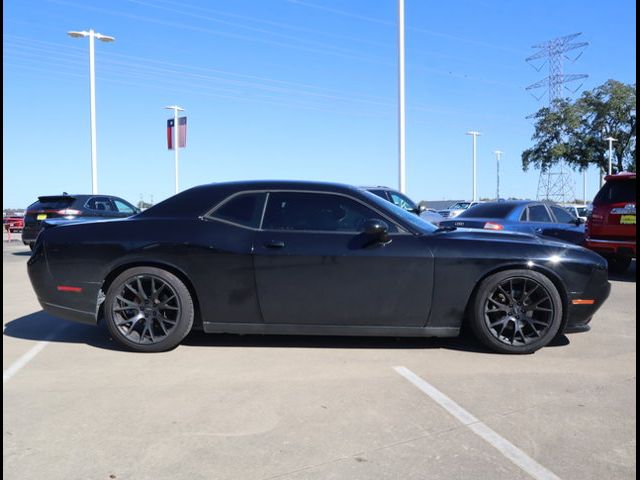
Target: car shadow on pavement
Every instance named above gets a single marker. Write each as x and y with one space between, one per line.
39 326
26 253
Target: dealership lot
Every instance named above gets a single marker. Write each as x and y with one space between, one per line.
235 407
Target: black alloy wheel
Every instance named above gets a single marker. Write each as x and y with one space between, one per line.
517 311
148 309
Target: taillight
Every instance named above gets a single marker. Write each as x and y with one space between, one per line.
493 226
68 211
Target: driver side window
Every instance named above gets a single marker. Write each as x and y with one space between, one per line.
316 212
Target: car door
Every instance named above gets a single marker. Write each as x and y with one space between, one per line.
567 227
538 220
315 266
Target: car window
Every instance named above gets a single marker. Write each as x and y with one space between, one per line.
244 209
459 206
124 207
538 213
101 204
488 210
403 202
583 211
380 193
562 216
316 212
616 191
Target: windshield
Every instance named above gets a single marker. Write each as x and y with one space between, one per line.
460 206
617 191
412 219
488 210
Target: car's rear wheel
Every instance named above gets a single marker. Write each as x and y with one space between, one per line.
148 309
618 263
516 311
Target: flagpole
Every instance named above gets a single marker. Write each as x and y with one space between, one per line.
176 146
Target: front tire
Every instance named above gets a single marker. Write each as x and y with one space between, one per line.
516 311
148 309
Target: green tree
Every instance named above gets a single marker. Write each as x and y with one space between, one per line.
575 132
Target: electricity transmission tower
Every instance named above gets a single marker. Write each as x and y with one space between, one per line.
556 184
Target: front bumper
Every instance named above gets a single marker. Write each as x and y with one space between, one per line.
579 315
626 248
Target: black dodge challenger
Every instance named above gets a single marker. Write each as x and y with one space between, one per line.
282 257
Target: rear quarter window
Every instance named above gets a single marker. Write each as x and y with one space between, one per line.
244 209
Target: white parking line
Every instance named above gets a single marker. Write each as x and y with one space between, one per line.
29 355
509 450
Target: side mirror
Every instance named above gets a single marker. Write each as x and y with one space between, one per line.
578 221
422 208
377 229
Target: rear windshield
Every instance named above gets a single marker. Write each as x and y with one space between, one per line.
487 210
52 203
617 191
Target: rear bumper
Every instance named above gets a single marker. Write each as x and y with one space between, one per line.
30 233
625 248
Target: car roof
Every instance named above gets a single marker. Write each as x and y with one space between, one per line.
621 176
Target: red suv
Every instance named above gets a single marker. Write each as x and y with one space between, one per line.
611 226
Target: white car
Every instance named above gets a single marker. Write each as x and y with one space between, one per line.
456 209
578 210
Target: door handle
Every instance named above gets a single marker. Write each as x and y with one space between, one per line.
274 244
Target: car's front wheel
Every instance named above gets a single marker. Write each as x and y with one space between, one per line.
148 309
516 311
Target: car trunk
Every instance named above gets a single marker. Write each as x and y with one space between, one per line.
46 208
614 212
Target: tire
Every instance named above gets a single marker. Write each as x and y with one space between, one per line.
155 320
523 319
618 264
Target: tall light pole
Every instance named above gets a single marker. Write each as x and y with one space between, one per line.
584 186
176 146
475 172
401 111
92 79
498 154
610 140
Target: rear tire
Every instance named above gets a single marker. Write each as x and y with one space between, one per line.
148 309
516 311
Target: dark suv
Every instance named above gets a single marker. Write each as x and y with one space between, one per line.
611 225
72 207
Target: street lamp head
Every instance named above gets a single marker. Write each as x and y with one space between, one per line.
498 152
473 132
75 34
105 38
174 107
611 139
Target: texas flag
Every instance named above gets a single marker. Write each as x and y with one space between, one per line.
182 132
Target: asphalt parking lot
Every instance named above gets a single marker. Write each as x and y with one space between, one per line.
249 407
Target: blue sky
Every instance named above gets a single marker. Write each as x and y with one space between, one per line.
287 89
